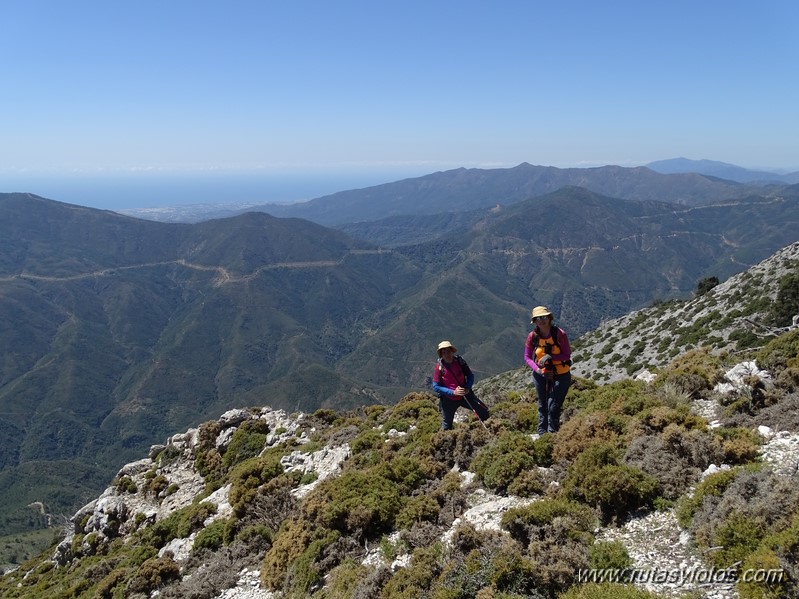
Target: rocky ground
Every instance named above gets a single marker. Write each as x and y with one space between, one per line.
664 558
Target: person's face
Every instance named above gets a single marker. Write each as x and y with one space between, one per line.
447 354
542 321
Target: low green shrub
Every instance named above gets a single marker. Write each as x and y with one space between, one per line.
421 508
609 554
780 353
362 503
152 574
501 461
597 479
246 477
712 485
247 442
533 521
211 537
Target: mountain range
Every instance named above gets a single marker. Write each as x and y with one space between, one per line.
675 181
116 331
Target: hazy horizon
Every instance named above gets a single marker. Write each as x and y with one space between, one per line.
146 189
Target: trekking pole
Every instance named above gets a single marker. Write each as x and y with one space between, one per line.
466 397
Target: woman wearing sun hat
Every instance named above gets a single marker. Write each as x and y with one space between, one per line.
452 381
548 353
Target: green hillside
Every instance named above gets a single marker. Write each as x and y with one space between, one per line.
116 332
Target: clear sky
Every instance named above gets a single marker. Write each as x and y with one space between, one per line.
380 90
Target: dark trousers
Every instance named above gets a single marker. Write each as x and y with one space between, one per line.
551 394
448 405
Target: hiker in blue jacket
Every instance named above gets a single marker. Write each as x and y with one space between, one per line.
452 381
548 353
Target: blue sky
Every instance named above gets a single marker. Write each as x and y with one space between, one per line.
371 91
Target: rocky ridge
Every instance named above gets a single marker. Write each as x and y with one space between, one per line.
648 339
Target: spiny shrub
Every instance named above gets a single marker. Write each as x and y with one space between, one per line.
305 574
246 477
501 573
582 432
500 462
125 484
740 445
556 534
344 579
778 554
693 372
454 446
535 521
418 409
408 473
293 538
676 457
517 412
712 486
178 525
358 502
609 554
247 442
597 478
421 508
753 505
211 537
657 418
780 353
416 579
152 574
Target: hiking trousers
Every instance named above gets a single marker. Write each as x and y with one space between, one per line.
449 405
551 395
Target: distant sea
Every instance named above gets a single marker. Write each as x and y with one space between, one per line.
149 190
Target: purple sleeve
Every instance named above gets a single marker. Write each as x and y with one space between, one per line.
565 348
528 354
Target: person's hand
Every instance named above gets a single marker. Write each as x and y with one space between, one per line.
460 391
542 363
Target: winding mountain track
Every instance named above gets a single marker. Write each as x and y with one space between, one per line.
223 275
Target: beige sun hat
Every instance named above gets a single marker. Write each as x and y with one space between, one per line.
444 345
540 311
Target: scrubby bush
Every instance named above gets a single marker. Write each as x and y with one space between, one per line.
358 502
750 507
609 554
535 521
556 534
499 463
597 478
125 484
152 574
247 442
178 525
246 477
693 372
780 353
211 537
713 486
740 445
583 432
778 554
421 508
675 457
